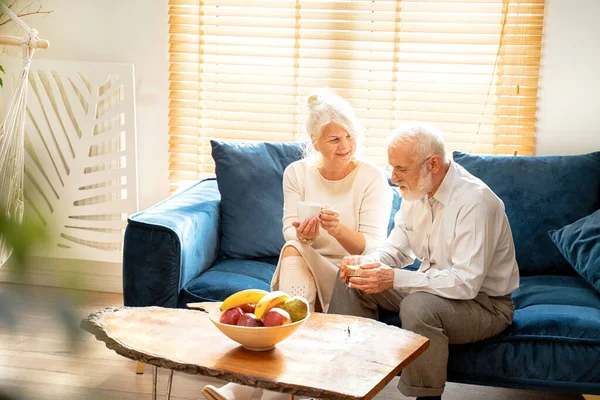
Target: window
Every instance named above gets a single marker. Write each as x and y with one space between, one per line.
242 70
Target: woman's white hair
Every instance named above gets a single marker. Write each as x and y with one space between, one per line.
326 106
428 140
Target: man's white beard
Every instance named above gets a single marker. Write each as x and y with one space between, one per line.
424 186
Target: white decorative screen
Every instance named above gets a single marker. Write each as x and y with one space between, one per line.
80 158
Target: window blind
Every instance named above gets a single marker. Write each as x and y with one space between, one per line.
242 70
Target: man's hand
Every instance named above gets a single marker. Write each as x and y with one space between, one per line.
368 261
374 278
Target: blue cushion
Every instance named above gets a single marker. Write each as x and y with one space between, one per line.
540 194
229 276
250 180
579 243
557 321
543 289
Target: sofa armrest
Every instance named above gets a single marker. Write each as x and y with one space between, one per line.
169 244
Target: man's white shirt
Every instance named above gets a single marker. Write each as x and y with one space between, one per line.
462 236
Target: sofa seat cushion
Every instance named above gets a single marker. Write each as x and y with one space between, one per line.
229 276
540 194
556 326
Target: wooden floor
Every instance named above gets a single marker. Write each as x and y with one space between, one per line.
39 360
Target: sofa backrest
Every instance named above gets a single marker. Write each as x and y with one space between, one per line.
250 177
540 194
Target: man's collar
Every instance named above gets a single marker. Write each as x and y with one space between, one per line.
445 190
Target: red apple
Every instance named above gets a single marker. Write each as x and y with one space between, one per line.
248 307
249 319
231 316
276 317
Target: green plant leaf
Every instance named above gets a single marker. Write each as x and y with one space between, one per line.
21 237
1 68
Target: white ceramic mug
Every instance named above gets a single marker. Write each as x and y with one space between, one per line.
308 209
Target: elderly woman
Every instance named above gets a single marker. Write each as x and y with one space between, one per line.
356 204
355 196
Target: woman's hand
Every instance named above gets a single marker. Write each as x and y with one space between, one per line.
330 221
308 230
343 276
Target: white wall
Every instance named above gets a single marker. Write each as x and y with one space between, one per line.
121 31
568 118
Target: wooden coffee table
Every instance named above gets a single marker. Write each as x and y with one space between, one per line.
329 356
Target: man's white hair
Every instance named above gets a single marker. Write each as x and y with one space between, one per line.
428 140
326 106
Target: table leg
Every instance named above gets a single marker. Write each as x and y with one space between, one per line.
154 379
291 396
139 368
169 384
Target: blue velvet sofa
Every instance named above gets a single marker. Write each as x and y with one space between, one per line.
223 235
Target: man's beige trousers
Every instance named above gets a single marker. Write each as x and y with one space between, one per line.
443 321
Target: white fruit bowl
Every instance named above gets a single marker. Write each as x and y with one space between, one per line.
260 338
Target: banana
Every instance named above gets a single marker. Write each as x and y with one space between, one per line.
243 297
271 300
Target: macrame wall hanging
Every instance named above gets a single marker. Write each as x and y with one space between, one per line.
12 130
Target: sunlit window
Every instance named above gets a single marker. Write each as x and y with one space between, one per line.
242 70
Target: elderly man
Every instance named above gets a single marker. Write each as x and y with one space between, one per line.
457 226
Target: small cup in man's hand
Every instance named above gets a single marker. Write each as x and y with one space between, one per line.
353 265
